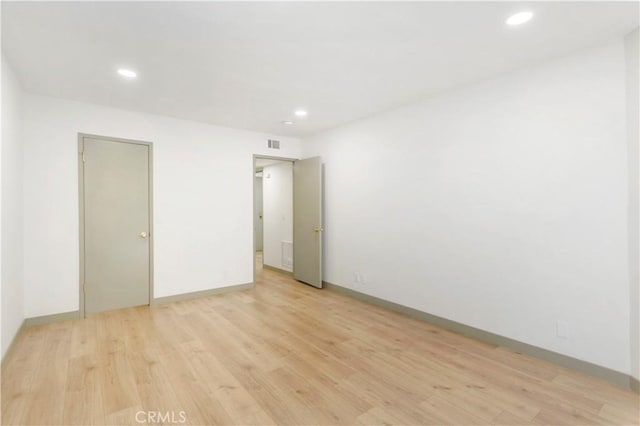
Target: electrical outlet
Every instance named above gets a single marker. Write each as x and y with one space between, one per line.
359 278
562 329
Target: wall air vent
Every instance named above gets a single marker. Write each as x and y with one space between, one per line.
273 144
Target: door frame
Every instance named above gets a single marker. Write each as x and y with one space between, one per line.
253 203
81 216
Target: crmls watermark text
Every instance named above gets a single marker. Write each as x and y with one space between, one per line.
164 417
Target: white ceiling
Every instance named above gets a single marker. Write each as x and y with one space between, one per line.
261 163
250 65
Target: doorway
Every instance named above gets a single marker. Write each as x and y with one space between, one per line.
115 191
288 217
273 214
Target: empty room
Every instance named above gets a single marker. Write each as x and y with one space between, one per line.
320 213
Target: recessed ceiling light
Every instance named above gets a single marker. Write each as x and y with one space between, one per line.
519 18
301 113
127 73
288 123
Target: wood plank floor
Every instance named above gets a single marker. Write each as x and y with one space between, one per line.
286 353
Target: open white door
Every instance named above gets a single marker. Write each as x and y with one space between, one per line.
307 221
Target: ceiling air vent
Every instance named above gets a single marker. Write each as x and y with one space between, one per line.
273 144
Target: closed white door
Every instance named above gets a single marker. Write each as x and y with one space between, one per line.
116 223
307 221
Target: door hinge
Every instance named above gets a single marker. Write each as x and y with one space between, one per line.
84 288
83 158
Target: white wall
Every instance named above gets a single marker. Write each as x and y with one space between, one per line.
203 214
633 111
502 205
277 201
3 350
12 312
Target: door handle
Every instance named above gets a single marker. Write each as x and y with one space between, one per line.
318 229
143 235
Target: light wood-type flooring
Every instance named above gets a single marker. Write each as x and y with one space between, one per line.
287 353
